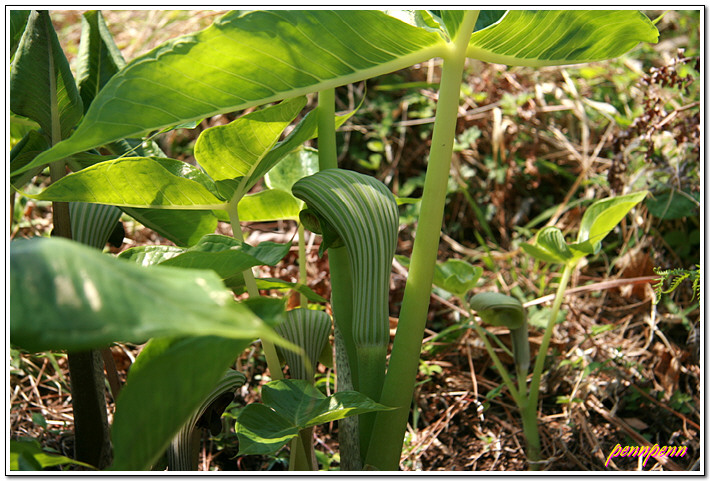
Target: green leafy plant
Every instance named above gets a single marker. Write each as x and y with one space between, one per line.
500 310
222 69
675 277
550 246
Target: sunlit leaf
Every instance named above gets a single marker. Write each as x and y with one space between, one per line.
269 205
67 296
602 216
235 150
248 59
560 37
137 182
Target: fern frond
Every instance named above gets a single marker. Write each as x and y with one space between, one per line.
675 278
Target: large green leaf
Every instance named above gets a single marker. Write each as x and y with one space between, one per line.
99 58
138 182
162 391
247 59
226 256
42 87
290 405
232 151
560 37
67 296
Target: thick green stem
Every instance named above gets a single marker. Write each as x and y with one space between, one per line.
327 146
529 412
272 358
386 443
302 272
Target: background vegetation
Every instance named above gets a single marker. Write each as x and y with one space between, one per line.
534 148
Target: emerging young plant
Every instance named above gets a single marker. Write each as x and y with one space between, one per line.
498 309
252 59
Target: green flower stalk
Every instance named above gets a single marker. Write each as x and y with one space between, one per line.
359 212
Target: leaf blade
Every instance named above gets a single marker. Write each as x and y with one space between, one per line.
311 52
560 37
155 403
602 216
42 86
68 296
235 150
136 182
